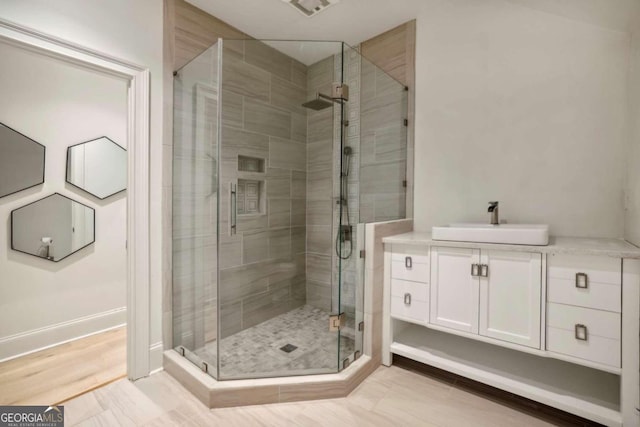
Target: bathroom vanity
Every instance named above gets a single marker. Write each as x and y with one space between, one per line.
558 324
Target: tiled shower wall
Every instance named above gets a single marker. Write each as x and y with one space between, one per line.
323 211
383 143
194 202
348 268
320 201
262 267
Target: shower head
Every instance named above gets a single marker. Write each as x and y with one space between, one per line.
320 103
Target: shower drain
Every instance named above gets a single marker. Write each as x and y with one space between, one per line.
288 348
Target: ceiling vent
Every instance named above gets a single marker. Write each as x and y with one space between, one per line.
310 8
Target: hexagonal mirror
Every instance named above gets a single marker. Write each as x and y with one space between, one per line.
21 161
98 167
52 228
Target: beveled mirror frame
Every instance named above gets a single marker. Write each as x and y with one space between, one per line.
138 128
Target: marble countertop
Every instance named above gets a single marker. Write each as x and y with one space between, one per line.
617 248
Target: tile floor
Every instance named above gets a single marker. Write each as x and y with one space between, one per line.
255 352
389 397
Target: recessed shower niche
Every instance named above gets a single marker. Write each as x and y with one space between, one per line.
251 186
52 228
250 197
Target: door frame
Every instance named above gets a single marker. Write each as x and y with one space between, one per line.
138 128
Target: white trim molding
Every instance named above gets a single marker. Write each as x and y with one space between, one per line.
138 123
28 342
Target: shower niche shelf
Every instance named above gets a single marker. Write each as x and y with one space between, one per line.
251 200
250 164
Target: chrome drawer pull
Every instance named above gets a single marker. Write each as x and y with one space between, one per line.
408 262
581 332
484 270
475 270
407 298
584 284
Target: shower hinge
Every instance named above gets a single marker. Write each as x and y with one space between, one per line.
345 363
336 322
205 367
362 253
404 183
346 123
340 91
406 122
361 326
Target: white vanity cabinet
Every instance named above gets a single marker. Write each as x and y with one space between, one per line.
558 324
584 305
410 286
492 293
510 296
454 289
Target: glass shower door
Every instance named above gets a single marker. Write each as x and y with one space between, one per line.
195 210
276 209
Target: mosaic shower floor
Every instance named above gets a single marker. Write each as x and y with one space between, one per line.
256 351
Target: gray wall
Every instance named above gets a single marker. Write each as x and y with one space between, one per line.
632 211
523 107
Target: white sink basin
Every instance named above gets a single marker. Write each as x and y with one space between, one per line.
514 234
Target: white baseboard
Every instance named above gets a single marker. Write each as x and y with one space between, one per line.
39 339
156 352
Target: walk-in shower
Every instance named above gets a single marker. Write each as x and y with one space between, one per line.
282 151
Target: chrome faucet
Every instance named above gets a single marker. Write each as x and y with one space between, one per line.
493 208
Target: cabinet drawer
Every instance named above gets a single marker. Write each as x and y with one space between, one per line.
602 340
598 296
410 300
585 281
410 267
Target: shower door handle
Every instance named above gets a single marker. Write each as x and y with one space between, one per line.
233 214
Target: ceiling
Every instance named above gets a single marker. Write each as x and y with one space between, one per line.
354 21
351 21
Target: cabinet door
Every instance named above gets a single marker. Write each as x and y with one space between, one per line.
510 297
454 291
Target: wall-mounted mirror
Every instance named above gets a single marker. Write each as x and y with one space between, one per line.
98 167
52 228
21 161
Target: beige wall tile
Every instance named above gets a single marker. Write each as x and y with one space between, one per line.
287 154
279 211
319 239
280 243
242 397
287 95
267 120
244 79
231 109
267 58
278 183
298 212
255 247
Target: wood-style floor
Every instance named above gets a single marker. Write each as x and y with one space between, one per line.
51 376
389 397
